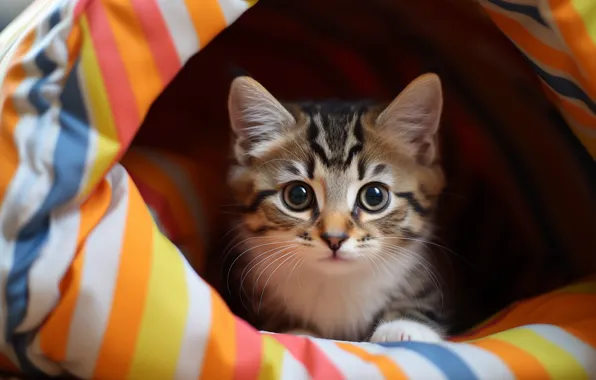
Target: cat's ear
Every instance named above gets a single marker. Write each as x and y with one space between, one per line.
257 118
414 115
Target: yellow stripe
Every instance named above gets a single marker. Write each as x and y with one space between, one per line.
583 287
273 358
107 141
164 318
559 363
586 9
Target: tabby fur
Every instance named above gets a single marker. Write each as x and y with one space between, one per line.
380 284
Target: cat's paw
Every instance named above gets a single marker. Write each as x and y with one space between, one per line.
301 332
404 330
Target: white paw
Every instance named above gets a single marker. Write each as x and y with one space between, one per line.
404 330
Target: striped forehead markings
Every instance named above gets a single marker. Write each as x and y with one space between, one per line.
338 131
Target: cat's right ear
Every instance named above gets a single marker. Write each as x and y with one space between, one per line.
258 120
413 117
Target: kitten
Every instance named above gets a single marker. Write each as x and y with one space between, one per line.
338 199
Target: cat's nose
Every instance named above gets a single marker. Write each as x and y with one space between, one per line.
334 241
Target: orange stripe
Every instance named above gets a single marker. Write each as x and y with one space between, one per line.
573 30
152 176
207 17
220 355
120 339
54 335
522 364
580 115
386 366
9 117
73 44
540 52
135 52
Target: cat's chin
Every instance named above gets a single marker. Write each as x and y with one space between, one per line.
334 265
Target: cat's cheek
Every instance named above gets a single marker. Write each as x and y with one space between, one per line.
405 330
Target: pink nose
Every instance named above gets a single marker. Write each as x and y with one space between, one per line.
334 241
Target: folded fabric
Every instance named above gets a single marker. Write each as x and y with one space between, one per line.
91 284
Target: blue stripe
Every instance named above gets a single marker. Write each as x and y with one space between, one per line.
564 86
523 9
446 360
28 242
68 169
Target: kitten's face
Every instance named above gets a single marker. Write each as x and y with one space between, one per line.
335 185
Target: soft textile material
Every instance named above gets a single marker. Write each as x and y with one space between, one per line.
91 286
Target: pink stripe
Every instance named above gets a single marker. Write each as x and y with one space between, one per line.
315 361
118 87
159 38
80 7
248 352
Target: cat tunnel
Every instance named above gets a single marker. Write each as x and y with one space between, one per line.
96 212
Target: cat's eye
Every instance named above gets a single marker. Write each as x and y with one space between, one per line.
373 197
298 196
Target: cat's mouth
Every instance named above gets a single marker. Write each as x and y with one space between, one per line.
336 257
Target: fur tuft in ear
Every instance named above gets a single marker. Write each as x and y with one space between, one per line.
256 117
413 117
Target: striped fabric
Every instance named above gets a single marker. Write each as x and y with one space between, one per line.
559 39
90 284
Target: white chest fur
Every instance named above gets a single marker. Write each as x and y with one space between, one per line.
338 305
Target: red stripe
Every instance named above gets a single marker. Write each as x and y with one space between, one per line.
314 360
249 351
80 7
160 206
118 87
158 37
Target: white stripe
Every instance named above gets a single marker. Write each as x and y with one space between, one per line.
49 268
581 351
292 368
182 30
232 9
198 323
414 365
14 34
99 276
485 365
350 365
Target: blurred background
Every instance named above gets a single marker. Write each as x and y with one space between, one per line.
9 9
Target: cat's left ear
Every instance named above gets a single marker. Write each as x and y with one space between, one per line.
257 118
413 117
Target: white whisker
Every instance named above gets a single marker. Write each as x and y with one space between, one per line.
292 255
